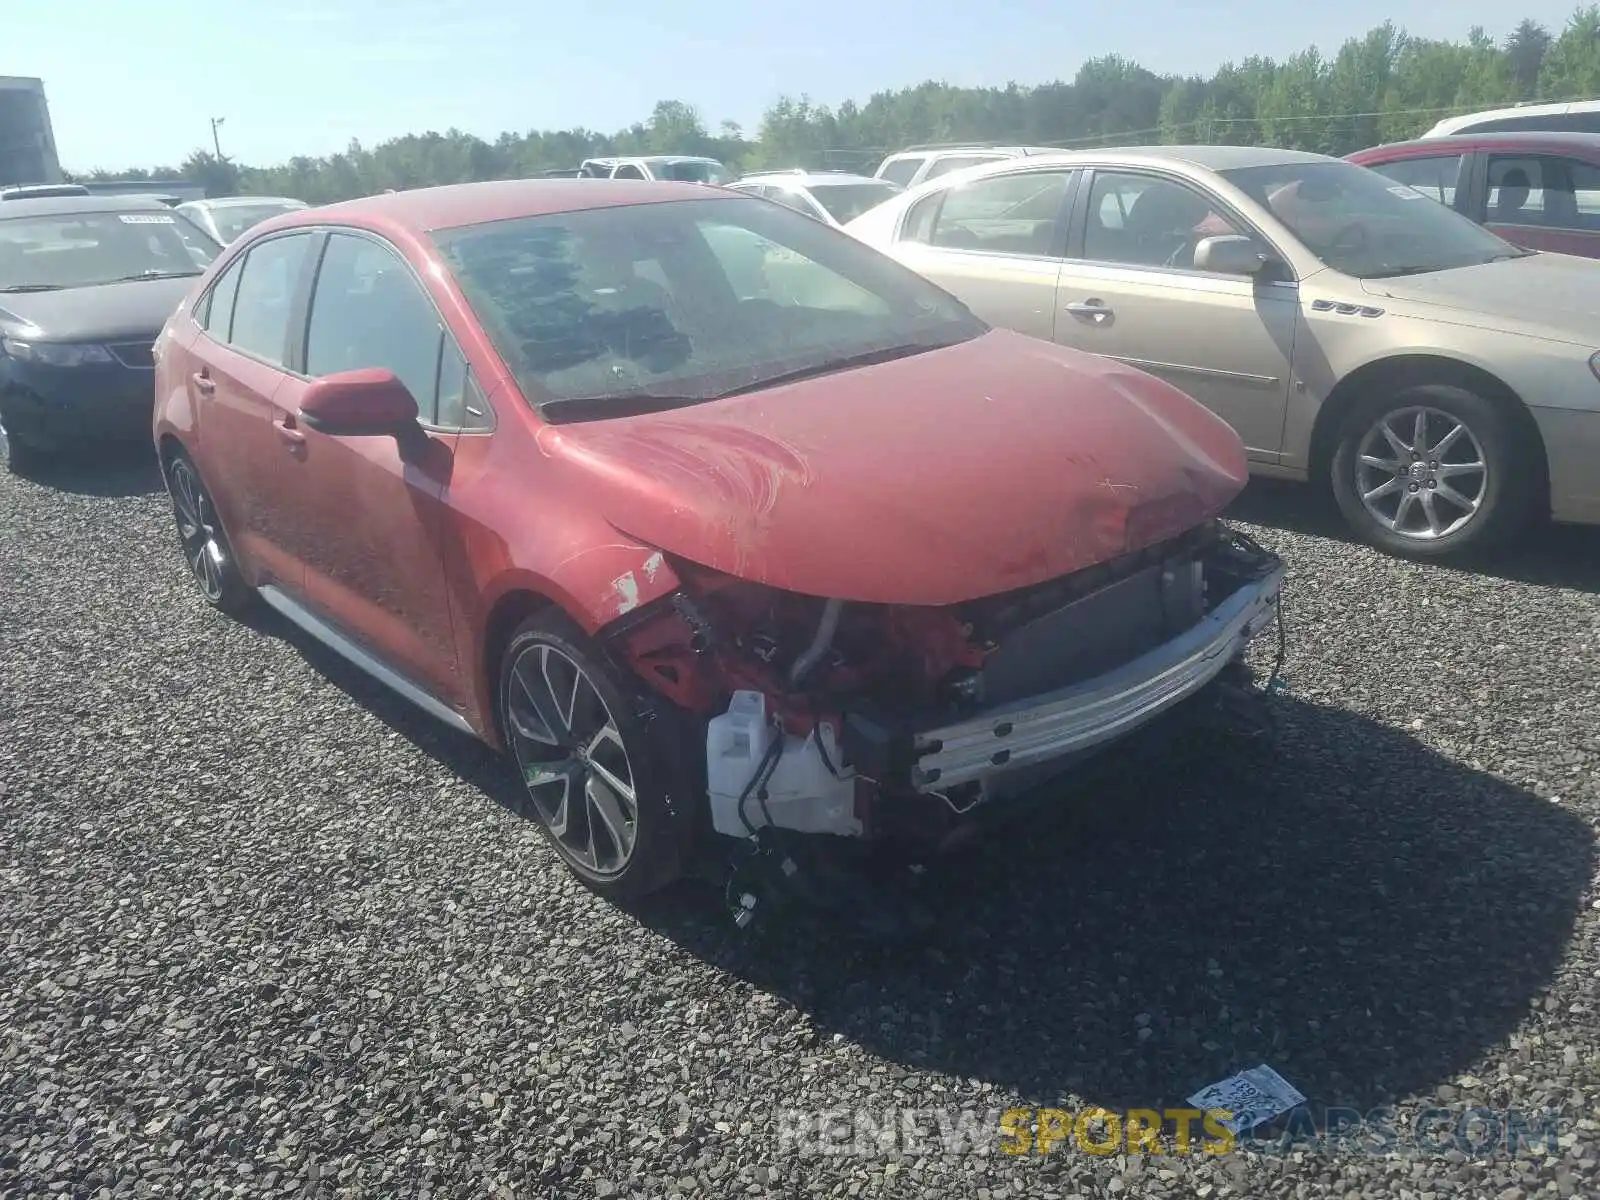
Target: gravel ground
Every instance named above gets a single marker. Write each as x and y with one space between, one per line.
265 931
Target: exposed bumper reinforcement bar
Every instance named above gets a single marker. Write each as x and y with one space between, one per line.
1078 718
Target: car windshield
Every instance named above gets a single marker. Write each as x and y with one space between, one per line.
234 219
604 311
847 201
84 249
695 171
1364 224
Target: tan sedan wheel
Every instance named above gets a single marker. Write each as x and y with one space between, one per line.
1432 471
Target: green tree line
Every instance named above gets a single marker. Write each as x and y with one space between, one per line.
1382 86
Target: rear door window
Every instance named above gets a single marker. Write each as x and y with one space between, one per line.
264 304
215 312
1518 190
1006 214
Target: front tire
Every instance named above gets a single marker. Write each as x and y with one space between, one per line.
1432 471
202 539
597 781
17 456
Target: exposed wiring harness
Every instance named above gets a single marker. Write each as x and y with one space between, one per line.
822 752
742 907
1274 682
1275 679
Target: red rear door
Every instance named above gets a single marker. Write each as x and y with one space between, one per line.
250 456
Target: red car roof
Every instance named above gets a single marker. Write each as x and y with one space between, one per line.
1575 145
452 205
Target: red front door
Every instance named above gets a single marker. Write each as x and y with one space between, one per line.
373 565
375 505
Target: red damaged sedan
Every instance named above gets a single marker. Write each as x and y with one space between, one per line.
709 516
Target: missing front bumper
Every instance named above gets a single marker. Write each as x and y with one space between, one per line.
1006 739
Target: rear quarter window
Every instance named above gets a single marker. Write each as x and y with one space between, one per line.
215 310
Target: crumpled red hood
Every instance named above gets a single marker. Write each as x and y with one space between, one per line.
991 465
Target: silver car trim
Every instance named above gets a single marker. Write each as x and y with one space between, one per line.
1088 714
360 658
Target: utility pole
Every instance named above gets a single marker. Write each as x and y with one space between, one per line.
216 142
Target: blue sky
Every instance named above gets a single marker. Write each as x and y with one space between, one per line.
136 84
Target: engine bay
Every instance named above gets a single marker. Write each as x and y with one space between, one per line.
811 706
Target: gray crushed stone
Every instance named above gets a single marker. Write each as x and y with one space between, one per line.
265 931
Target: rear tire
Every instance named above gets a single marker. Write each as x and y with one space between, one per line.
202 539
1433 471
600 781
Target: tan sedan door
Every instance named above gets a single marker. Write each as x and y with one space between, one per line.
1130 290
995 243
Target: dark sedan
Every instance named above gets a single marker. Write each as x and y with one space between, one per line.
86 284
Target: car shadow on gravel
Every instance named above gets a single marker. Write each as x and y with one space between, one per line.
1343 903
1564 556
112 472
471 760
1337 899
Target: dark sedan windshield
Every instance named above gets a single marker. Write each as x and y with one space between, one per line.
1365 224
678 302
82 249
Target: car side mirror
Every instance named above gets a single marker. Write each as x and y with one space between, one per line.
370 402
1231 254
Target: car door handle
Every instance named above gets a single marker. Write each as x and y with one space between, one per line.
288 432
203 383
1095 309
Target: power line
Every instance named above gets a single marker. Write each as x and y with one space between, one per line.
1198 122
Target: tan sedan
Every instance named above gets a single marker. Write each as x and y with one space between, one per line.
1444 382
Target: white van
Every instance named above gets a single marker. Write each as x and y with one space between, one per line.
1577 116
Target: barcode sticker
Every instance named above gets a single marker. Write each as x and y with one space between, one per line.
1250 1097
146 219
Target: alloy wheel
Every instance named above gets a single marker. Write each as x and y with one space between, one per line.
198 530
1421 473
574 761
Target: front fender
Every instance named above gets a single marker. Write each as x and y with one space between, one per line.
594 586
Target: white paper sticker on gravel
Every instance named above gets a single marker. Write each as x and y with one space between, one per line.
1252 1096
